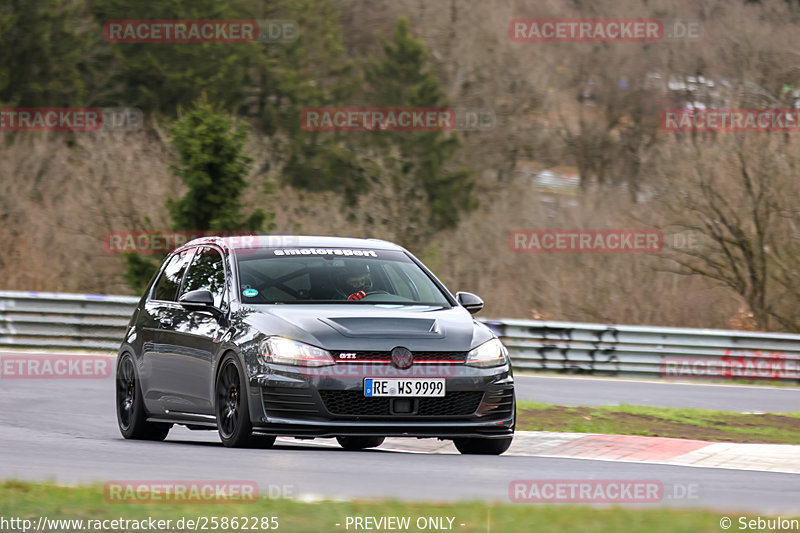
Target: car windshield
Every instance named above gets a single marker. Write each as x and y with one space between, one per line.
334 275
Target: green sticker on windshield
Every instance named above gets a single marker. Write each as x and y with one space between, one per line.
250 292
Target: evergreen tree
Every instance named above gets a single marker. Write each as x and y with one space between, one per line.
161 77
213 165
403 78
425 196
265 81
45 53
310 72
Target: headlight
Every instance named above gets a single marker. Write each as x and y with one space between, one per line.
288 352
490 353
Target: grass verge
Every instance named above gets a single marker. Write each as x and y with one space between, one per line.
701 424
33 500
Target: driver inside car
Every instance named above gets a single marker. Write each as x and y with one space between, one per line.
354 282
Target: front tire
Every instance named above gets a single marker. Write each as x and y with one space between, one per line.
262 442
131 418
359 443
232 409
479 446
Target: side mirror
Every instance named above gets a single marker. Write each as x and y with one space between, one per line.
199 300
469 301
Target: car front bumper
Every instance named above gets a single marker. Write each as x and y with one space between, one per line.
329 403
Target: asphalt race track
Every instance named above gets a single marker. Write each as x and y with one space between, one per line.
65 431
608 391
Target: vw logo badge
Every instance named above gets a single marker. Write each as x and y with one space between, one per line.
402 358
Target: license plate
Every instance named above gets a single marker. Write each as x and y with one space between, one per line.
404 387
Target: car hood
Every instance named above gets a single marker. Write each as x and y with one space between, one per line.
377 327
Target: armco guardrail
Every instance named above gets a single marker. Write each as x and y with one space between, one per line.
97 322
646 350
60 320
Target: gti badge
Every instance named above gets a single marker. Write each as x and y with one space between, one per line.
402 358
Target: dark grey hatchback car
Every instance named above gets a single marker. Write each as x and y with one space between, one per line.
311 337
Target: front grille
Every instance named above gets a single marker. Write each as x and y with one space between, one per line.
421 357
289 402
453 404
354 403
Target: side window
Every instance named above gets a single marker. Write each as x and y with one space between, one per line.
207 272
167 285
283 280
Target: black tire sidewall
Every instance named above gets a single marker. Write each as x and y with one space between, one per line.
359 443
243 433
481 446
137 427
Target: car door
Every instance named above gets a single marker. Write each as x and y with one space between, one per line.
190 344
160 312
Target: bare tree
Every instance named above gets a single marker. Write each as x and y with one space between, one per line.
737 193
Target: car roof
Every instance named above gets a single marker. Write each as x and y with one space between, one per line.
294 241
